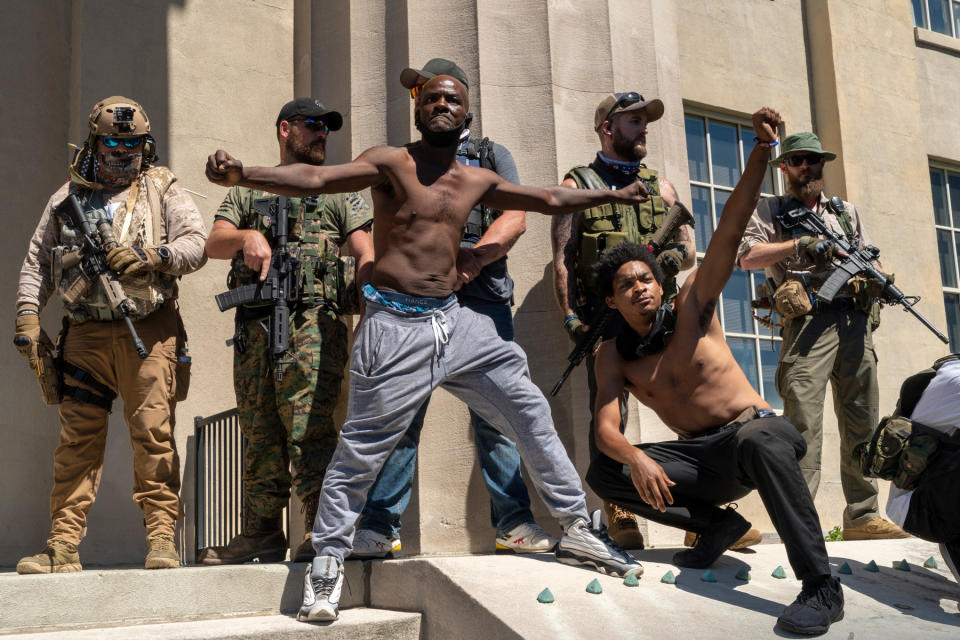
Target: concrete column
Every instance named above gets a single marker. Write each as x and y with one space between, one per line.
35 71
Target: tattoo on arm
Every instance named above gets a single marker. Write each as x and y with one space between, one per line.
684 236
564 232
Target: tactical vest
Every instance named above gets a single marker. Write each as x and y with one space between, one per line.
478 153
610 224
324 275
137 221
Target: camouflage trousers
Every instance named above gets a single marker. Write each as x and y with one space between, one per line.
289 423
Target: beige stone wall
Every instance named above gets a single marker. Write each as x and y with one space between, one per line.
213 74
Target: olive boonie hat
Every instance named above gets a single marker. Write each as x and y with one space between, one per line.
622 102
803 141
310 108
436 67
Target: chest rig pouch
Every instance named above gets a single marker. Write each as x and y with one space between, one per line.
610 224
326 278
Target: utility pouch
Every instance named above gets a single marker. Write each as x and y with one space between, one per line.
184 362
48 374
914 459
874 315
880 456
592 245
791 300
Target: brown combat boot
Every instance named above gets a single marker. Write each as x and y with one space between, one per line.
622 526
161 552
305 552
59 556
875 529
749 539
262 539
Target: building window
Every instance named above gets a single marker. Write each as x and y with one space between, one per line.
942 16
716 151
945 185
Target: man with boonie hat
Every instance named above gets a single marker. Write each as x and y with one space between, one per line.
830 341
620 121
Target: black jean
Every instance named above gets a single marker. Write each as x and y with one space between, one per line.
724 465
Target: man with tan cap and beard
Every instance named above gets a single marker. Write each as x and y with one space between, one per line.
831 341
620 121
127 201
287 419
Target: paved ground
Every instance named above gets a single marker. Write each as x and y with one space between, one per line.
493 597
921 603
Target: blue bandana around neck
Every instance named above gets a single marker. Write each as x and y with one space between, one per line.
627 168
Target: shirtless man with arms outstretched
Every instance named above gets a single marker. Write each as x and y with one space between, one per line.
677 362
415 337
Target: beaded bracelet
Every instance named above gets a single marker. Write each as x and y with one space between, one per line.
766 143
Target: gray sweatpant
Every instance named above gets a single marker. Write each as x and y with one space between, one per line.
398 359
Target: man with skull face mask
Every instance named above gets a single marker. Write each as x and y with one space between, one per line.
159 236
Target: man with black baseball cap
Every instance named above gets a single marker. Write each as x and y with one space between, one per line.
289 422
308 108
620 121
487 288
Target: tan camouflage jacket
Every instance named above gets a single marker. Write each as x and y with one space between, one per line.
181 231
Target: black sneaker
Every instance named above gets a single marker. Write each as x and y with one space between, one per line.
814 610
711 544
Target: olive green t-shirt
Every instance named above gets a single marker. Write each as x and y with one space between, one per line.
341 215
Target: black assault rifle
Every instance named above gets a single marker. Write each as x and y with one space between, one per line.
281 288
856 262
92 260
677 215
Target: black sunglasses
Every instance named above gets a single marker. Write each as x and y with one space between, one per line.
624 100
313 125
812 159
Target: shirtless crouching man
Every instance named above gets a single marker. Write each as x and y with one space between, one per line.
415 337
678 363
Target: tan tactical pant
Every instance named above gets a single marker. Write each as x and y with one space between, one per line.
146 389
834 346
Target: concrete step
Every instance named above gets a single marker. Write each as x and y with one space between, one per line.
107 597
354 624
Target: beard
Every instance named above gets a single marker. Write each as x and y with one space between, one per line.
805 188
315 153
629 150
118 170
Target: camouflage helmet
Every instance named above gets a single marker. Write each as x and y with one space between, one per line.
118 117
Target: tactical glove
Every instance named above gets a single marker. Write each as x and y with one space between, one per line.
29 337
819 249
574 328
131 261
670 260
875 286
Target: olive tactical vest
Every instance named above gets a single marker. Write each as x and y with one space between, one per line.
323 273
610 224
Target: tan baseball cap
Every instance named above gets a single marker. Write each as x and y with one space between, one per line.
621 103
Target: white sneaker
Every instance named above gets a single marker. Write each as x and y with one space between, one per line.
322 583
370 544
585 544
526 537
